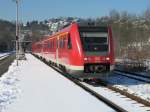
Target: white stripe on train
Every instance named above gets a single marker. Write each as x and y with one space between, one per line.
71 67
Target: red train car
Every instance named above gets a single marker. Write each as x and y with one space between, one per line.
83 50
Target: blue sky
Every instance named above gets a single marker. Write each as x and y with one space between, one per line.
44 9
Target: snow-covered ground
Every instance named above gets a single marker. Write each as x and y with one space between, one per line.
128 104
135 87
3 54
8 87
35 87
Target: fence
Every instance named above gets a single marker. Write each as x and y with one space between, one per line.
137 65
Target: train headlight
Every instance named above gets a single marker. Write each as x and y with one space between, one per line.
107 58
85 59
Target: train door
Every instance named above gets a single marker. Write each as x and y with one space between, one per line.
69 49
42 50
57 48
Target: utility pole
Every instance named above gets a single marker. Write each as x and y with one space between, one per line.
17 30
19 54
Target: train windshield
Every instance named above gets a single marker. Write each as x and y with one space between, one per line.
94 39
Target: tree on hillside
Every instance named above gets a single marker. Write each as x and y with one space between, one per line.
7 35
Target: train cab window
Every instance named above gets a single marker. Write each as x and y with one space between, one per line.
69 43
94 39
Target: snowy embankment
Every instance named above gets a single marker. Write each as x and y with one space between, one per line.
38 88
138 88
4 55
8 86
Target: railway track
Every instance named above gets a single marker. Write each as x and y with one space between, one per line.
4 56
5 61
136 76
98 95
125 93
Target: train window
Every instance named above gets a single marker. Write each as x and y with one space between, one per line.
93 41
60 43
69 43
57 43
64 42
48 45
45 45
52 44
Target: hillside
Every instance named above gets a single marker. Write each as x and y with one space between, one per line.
131 32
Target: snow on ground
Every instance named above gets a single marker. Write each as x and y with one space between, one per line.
35 87
128 104
8 86
3 54
135 87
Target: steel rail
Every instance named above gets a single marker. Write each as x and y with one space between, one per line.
132 75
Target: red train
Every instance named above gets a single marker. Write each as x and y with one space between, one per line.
82 50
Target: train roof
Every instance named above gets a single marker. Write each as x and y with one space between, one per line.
91 24
83 26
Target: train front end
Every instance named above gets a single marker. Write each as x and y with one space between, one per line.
98 50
